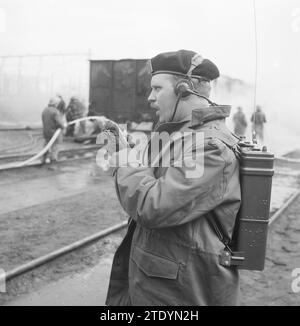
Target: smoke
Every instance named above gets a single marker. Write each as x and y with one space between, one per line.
27 83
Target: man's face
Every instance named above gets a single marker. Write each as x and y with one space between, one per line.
162 97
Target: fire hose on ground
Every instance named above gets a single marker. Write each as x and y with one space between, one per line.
78 244
55 136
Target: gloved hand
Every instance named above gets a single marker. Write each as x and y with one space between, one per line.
117 143
114 143
116 138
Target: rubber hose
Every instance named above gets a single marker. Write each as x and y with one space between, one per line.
54 137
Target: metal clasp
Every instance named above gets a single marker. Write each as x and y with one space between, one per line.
231 258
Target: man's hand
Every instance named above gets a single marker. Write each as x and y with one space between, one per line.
116 139
114 143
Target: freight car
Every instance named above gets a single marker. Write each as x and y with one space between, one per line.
119 90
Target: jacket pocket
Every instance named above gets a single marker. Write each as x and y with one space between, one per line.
155 266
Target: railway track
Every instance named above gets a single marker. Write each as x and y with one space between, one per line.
102 234
9 162
73 247
63 251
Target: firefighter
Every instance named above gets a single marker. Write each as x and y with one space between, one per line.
258 120
75 110
61 107
52 120
240 122
170 254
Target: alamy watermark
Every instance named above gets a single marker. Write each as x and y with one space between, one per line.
180 149
2 281
296 280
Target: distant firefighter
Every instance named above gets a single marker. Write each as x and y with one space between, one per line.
62 108
240 122
75 110
258 119
52 120
61 105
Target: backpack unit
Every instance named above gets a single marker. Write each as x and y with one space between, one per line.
247 249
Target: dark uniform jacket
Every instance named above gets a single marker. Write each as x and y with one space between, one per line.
75 110
52 120
170 255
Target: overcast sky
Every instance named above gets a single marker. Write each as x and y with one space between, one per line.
220 30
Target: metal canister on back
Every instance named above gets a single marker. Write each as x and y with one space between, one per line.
256 171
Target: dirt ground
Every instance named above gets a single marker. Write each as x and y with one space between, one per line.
295 154
272 287
66 266
36 230
19 141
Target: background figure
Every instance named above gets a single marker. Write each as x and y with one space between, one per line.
75 110
62 108
240 123
258 119
52 120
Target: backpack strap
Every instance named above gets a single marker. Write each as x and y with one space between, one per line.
230 140
228 257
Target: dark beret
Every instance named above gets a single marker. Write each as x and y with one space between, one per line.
184 63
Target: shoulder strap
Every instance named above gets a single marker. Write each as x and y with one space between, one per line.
230 140
213 223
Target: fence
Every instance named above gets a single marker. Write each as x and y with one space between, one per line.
28 81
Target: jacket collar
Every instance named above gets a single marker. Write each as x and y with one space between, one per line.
203 115
171 127
199 117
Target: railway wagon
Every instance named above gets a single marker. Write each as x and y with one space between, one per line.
119 90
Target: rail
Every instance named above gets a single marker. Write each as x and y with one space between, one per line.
100 235
60 252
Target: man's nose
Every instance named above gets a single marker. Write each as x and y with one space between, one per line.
151 97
